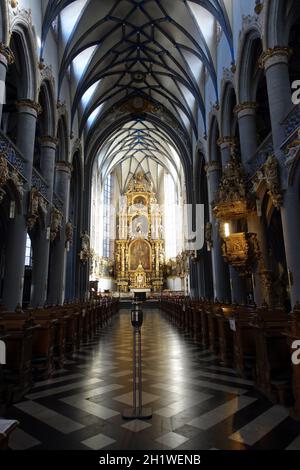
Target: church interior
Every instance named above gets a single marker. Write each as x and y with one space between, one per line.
150 149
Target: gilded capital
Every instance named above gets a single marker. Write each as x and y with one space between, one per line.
29 104
7 53
274 55
47 139
64 166
226 141
248 107
213 166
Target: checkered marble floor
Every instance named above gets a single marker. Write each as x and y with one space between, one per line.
197 403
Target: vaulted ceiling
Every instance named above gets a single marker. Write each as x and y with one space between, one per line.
139 146
155 50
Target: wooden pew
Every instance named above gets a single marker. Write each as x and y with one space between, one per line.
43 344
212 311
204 324
244 349
225 334
273 358
196 312
293 334
17 373
6 429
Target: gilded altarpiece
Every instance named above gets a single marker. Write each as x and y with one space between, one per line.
139 247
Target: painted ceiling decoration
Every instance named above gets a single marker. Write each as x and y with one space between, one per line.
150 50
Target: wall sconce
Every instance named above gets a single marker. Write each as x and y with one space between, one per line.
226 230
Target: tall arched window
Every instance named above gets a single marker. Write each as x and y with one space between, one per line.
172 218
107 192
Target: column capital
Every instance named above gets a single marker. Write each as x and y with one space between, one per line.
226 141
273 56
27 105
7 53
245 109
64 166
212 166
49 141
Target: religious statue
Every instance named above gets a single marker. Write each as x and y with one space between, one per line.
272 178
85 252
138 228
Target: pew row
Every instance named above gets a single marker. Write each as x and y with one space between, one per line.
38 341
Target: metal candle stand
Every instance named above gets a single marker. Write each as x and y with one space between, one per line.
137 411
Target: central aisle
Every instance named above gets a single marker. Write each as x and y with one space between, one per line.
197 403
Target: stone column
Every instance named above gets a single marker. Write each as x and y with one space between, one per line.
220 271
16 245
6 58
275 63
246 113
226 144
57 281
42 244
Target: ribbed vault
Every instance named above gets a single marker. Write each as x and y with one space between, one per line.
139 146
156 49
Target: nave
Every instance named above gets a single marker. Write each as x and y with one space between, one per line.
197 403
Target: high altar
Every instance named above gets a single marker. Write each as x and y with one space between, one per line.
139 248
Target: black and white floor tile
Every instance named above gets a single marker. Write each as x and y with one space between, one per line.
197 403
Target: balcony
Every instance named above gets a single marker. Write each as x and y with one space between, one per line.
39 183
13 154
17 161
265 149
57 202
291 123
